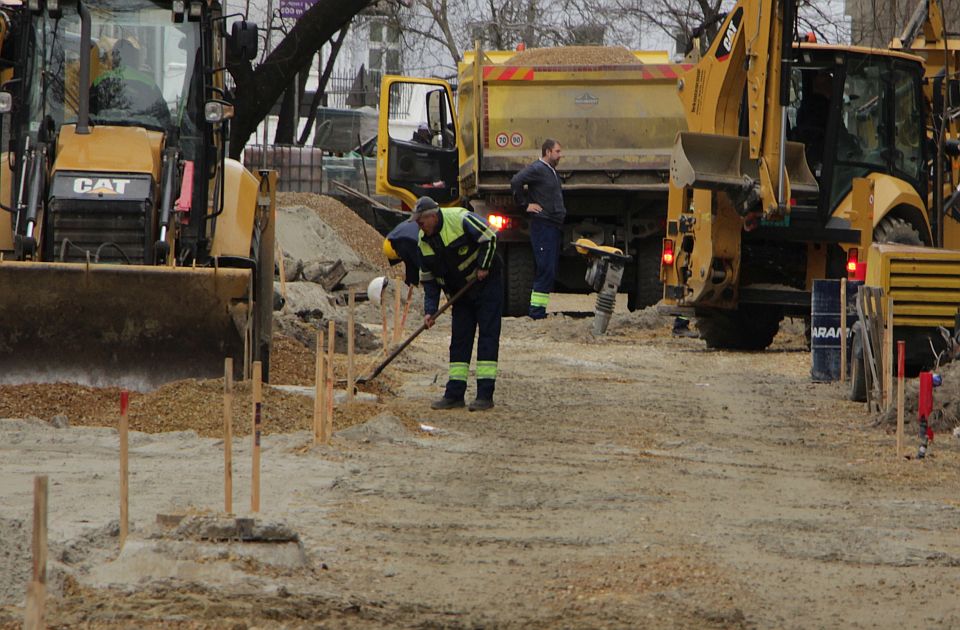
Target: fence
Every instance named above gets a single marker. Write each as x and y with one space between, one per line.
306 169
300 168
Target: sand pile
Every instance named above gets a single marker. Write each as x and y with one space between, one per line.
358 237
197 405
574 56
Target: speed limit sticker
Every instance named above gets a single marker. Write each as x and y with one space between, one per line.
502 140
516 139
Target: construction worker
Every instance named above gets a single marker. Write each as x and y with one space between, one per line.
457 247
126 91
402 244
538 188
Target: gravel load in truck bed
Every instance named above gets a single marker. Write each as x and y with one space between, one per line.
574 56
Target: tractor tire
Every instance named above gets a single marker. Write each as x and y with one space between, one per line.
748 328
647 288
518 279
894 230
858 378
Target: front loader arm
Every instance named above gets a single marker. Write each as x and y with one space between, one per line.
743 68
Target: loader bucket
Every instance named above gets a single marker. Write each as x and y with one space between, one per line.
119 325
714 162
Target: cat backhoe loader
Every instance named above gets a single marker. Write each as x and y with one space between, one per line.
134 252
797 158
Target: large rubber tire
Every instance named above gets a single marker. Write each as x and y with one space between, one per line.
751 327
518 279
647 288
894 230
858 379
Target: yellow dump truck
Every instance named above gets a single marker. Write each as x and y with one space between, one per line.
616 121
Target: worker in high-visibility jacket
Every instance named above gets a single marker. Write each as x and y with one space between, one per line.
457 246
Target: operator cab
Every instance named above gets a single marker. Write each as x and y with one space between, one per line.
857 113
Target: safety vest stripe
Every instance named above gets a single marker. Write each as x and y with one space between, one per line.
459 371
487 369
487 235
468 260
539 299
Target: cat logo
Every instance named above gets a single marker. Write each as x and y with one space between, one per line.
101 186
462 250
725 46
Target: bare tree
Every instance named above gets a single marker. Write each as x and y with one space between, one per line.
258 88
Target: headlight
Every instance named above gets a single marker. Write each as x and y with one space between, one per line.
217 111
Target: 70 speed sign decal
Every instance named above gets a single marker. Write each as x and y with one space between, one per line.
504 140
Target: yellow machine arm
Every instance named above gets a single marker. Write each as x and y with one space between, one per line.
744 64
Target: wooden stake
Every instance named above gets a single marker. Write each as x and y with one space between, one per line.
406 309
257 410
283 275
843 330
228 435
397 331
320 394
888 356
124 469
37 588
901 361
385 333
351 375
332 348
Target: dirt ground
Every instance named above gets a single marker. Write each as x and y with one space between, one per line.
634 480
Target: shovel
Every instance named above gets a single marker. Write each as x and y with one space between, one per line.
406 342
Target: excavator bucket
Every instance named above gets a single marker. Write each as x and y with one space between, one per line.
120 325
713 162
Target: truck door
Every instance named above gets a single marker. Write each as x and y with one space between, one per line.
417 141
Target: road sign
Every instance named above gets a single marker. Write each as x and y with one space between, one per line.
295 8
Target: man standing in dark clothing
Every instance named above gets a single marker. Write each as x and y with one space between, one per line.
538 188
456 247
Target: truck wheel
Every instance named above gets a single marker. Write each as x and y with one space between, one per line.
647 288
894 230
518 279
858 378
747 328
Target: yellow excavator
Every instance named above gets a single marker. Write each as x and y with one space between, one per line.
132 250
798 156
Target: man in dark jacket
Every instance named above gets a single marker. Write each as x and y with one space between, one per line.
538 188
402 244
456 247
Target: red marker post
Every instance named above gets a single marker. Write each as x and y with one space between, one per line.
901 362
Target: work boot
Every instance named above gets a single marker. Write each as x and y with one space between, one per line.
481 404
447 403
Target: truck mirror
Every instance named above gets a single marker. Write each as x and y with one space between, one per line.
953 93
435 110
243 40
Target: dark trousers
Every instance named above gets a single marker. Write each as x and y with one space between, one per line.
545 239
480 309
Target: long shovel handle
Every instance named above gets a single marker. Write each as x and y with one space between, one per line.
406 342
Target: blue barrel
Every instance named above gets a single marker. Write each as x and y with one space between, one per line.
825 327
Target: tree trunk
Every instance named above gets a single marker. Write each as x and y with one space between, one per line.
322 86
257 90
288 119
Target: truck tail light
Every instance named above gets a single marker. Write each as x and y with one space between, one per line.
667 257
853 256
498 222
